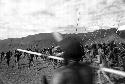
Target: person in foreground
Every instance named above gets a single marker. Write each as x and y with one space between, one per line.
74 71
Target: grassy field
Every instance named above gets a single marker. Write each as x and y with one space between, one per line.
25 75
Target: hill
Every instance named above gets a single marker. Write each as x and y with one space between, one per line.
39 40
44 40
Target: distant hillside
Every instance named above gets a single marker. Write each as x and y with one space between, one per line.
46 39
122 34
102 35
39 40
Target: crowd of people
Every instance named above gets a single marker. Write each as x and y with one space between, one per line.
111 55
6 56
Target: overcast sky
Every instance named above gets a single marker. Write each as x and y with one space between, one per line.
19 18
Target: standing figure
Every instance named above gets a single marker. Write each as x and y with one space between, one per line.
30 59
8 56
2 56
17 55
74 71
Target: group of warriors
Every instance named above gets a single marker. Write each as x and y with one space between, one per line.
110 55
17 54
78 60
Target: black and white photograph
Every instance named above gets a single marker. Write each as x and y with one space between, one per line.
62 41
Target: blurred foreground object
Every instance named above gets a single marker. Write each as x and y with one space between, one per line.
58 37
73 72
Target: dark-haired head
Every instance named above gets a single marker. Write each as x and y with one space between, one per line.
72 47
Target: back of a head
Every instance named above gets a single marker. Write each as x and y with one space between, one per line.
72 47
76 72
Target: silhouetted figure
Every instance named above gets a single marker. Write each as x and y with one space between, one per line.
2 55
51 50
73 72
17 55
8 56
36 50
30 59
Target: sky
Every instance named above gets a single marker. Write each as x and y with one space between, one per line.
20 18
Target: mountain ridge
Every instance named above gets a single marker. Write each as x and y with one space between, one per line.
45 40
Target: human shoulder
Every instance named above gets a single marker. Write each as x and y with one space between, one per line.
59 76
63 70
